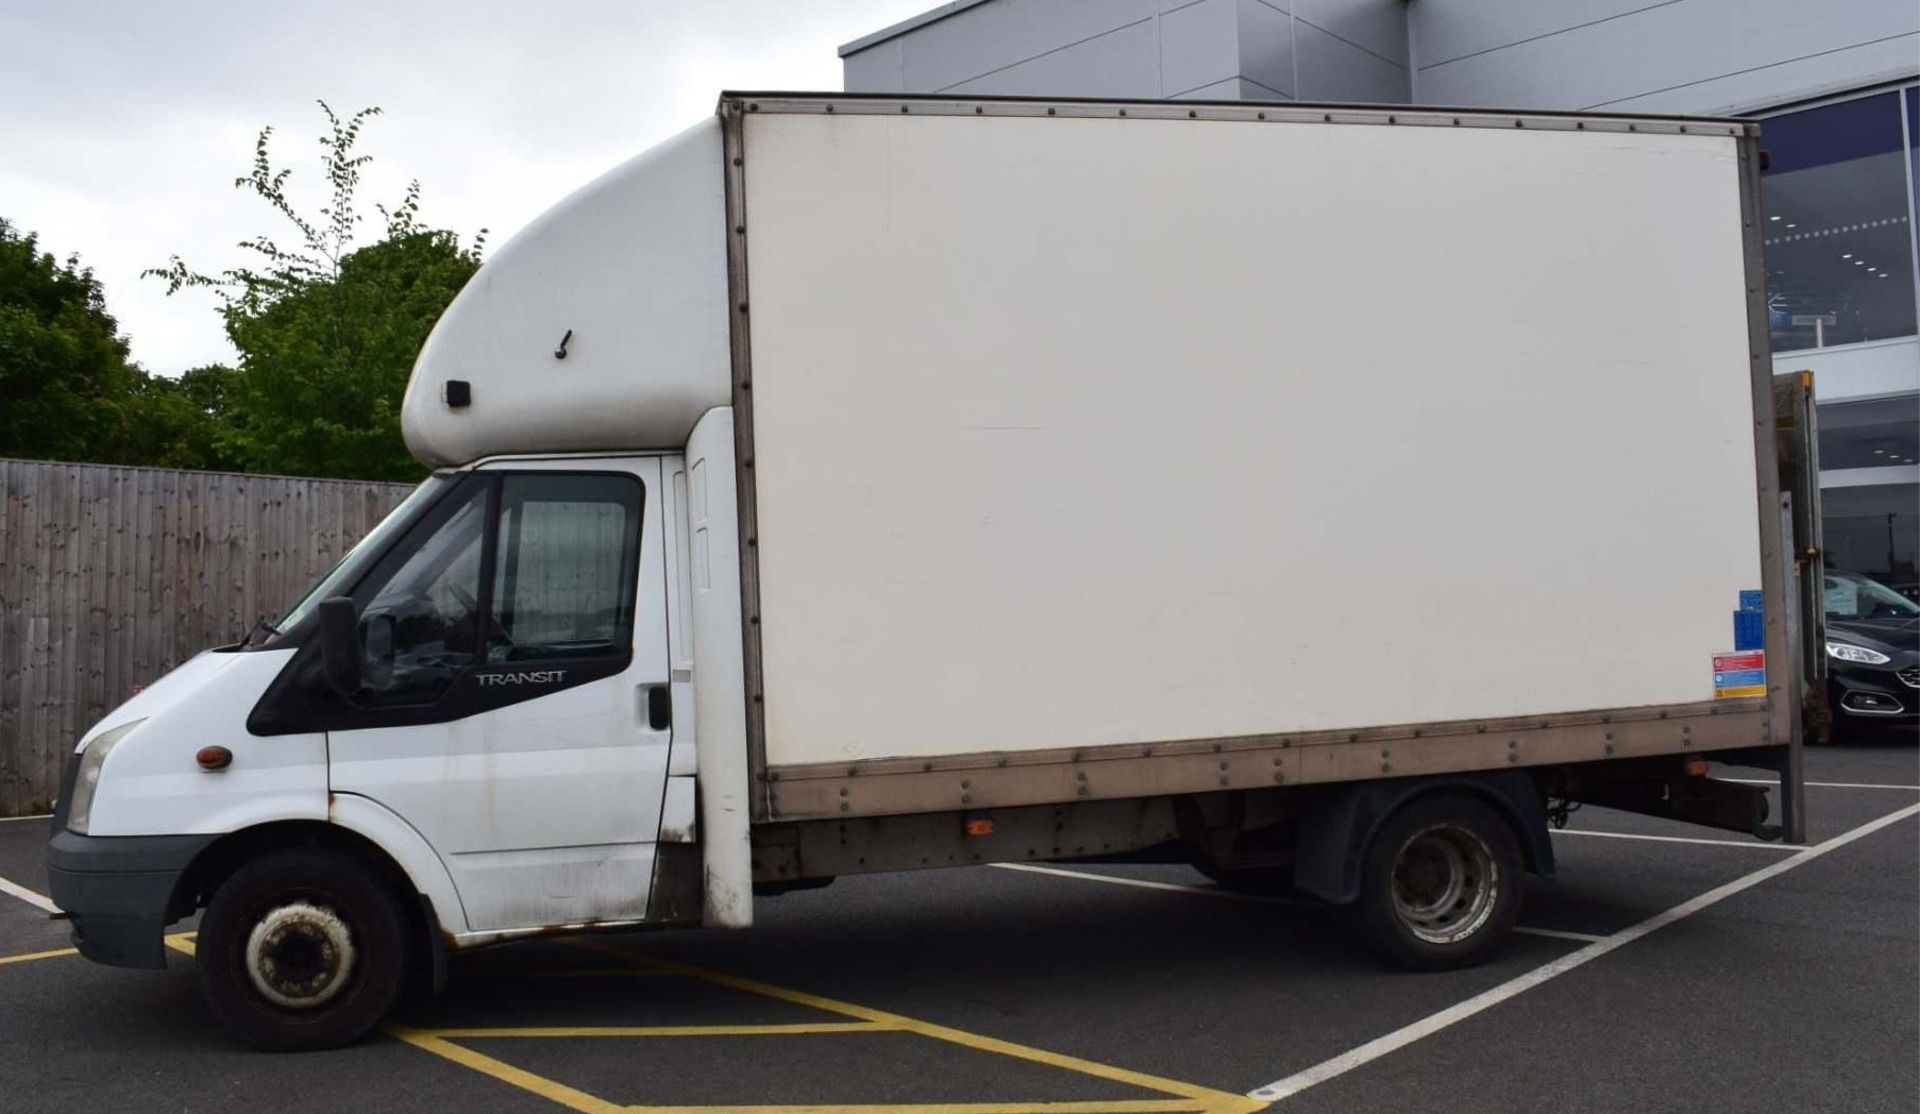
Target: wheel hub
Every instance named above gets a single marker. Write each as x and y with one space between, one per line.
300 955
1445 884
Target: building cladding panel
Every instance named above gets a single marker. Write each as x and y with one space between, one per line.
1692 56
1197 46
1265 50
1330 68
1116 63
1217 49
1686 56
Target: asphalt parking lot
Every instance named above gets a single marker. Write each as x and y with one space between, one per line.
1666 968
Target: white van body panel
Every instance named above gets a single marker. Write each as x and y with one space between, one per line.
544 811
1077 432
631 273
713 524
182 682
684 761
392 834
151 783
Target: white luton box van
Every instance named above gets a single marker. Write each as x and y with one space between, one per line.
1325 496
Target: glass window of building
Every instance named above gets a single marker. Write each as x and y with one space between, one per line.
1871 519
1871 433
1839 238
1913 160
1871 529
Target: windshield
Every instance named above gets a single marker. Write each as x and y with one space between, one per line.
349 568
1852 596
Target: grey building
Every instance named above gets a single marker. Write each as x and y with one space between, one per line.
1835 83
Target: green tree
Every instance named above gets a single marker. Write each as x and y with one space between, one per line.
327 330
69 390
179 423
64 373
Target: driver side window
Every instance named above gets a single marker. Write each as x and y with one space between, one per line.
566 569
421 629
533 567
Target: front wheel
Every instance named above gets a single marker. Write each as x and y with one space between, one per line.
300 950
1441 884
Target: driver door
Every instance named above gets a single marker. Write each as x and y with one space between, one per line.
510 645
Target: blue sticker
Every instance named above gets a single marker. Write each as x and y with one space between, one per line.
1749 631
1739 678
1750 600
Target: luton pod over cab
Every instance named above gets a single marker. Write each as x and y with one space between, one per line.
1324 496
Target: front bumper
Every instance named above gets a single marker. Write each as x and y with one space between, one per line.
1874 694
118 890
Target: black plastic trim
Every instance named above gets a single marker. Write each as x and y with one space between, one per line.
299 701
117 890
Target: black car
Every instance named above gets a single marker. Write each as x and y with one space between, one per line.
1873 654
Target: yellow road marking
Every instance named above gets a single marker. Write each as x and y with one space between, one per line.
467 1058
1182 1098
1117 1106
38 955
1209 1098
506 1073
1189 1099
668 1030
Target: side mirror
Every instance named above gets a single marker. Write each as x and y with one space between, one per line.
340 644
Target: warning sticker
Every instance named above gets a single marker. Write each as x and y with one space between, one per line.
1739 674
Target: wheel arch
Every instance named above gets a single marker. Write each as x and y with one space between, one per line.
1338 827
362 830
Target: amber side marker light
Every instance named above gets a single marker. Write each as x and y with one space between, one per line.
979 827
214 758
1696 769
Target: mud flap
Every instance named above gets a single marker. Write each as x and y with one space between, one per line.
678 892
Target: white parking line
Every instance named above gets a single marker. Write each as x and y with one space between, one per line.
24 894
1232 895
1823 784
1460 1011
1753 844
35 816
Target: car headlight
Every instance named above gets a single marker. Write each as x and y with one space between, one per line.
1845 652
93 757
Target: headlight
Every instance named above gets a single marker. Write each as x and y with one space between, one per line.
1844 652
92 759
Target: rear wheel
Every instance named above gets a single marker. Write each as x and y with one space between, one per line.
1441 883
301 950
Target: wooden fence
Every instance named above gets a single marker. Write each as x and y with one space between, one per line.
111 576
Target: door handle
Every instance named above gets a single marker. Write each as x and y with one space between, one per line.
659 706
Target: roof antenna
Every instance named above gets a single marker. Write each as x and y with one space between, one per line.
560 353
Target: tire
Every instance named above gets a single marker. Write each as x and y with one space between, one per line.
1441 883
301 950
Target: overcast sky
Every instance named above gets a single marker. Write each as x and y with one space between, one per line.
124 122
